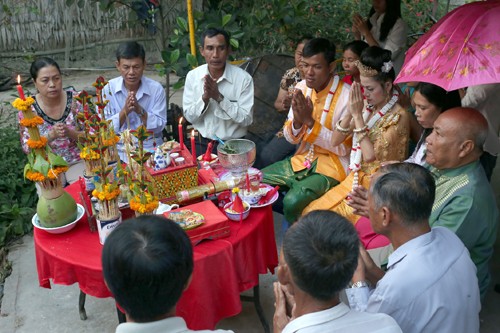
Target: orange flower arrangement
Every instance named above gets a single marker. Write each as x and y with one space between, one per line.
37 144
43 165
33 122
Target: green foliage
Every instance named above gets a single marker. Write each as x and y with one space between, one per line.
17 196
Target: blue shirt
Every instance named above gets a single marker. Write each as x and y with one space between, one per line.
150 96
430 286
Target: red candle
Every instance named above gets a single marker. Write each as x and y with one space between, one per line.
248 182
208 154
20 88
181 134
193 147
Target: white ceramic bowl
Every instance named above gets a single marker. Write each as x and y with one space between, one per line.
236 216
59 230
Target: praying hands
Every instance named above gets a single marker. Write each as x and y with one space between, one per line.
302 110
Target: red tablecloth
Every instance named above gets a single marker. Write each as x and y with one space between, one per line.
222 268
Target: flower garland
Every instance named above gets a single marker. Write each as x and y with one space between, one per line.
108 192
31 122
309 158
37 144
87 153
356 154
23 105
145 203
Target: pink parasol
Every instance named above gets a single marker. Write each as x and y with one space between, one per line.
460 50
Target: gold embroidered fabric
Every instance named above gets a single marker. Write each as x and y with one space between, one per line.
390 142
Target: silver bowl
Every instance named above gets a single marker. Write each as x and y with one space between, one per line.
237 155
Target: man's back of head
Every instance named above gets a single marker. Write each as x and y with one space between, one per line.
407 190
321 252
147 263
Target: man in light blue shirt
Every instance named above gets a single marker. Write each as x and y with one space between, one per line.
134 99
430 284
318 257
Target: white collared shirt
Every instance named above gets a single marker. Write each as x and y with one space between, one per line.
342 319
430 286
168 325
228 119
150 96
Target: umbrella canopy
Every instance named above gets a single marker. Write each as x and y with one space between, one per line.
460 50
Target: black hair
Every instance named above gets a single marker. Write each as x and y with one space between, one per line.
407 189
212 32
147 262
375 57
303 39
321 251
392 13
356 46
40 63
438 96
320 45
130 50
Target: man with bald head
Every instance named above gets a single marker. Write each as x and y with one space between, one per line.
464 202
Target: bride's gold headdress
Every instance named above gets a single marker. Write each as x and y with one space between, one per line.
365 70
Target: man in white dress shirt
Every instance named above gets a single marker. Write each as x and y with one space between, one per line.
147 263
317 260
430 284
218 97
134 99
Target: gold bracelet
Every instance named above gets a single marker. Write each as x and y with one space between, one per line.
341 129
361 136
360 130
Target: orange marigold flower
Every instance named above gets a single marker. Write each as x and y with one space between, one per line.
31 122
35 176
34 144
23 105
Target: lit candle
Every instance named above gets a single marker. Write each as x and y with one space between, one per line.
193 147
20 88
181 134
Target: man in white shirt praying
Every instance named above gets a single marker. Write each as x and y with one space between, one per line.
218 97
317 260
430 284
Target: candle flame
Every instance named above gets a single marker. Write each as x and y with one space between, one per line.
192 133
180 120
18 79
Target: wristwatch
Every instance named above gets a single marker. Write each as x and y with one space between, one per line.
140 112
220 98
359 284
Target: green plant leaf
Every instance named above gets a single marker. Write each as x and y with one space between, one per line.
191 59
41 165
225 19
234 43
174 56
182 23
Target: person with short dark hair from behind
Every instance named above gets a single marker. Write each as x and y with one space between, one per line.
147 263
430 284
135 99
317 260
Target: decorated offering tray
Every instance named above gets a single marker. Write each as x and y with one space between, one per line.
177 176
216 224
187 219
